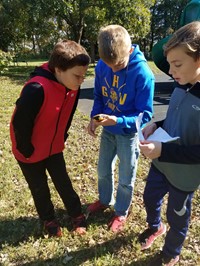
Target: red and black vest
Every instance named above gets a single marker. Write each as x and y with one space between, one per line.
50 124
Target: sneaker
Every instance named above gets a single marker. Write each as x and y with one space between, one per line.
95 207
149 235
117 223
162 259
79 224
52 228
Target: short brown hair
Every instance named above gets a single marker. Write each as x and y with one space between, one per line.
114 43
67 54
187 37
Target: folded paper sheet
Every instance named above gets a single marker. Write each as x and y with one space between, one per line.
159 134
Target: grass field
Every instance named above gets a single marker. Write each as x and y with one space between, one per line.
21 240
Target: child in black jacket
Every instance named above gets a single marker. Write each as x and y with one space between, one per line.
39 126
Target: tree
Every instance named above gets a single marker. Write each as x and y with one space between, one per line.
11 23
83 19
27 23
41 23
165 18
70 14
134 17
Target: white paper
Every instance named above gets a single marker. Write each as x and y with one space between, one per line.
159 134
138 122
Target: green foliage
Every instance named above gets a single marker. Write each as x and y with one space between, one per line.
40 24
5 60
22 242
166 17
134 17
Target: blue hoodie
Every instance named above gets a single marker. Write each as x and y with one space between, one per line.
125 93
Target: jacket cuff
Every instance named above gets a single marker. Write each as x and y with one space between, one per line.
120 120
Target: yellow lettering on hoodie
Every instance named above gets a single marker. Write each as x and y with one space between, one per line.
104 91
122 99
115 81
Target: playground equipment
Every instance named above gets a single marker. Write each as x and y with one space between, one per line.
190 13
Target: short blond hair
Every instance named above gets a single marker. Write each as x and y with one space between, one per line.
187 37
114 43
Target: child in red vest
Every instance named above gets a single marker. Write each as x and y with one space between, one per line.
39 127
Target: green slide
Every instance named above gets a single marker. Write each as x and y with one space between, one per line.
190 13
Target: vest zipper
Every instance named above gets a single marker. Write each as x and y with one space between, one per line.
57 125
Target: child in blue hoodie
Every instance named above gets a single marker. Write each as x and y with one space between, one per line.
124 88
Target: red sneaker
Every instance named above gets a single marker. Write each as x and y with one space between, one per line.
117 223
147 238
95 207
52 228
79 224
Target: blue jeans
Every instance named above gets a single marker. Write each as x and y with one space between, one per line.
178 210
126 149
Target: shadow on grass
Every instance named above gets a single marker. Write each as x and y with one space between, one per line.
18 74
14 232
22 72
87 254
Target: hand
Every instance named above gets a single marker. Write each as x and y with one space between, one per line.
148 130
152 149
108 120
92 127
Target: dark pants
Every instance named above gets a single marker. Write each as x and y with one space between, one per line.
36 177
178 210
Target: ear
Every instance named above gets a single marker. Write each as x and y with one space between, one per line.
57 70
57 73
199 61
